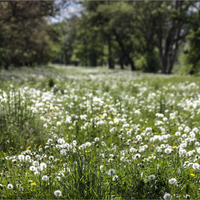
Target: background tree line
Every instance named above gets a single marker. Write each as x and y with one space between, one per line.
150 35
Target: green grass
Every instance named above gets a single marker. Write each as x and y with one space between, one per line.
83 122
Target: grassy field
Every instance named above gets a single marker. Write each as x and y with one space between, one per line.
83 133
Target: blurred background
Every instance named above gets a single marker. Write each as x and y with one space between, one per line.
150 36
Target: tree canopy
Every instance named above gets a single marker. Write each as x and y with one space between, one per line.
144 35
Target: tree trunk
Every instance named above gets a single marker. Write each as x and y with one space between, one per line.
121 61
124 50
110 56
93 59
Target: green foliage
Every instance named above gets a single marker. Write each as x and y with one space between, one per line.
193 59
148 62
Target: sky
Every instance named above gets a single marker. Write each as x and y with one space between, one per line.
67 12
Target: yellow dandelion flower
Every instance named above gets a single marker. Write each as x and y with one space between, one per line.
101 116
39 146
11 148
152 145
33 184
54 109
155 133
28 147
192 175
174 147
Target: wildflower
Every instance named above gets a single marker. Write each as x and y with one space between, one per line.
152 177
115 177
51 158
57 178
168 150
43 166
21 157
101 167
172 181
10 186
45 178
37 173
33 184
58 123
1 186
136 156
192 175
195 166
111 172
167 196
57 193
187 196
27 158
32 168
21 189
96 139
35 163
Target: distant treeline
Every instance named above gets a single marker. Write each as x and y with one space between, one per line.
145 35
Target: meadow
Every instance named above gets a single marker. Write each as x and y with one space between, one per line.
94 133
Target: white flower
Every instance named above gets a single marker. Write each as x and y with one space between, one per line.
37 173
136 156
196 166
21 157
168 150
32 168
57 193
57 178
198 150
27 158
35 163
172 181
21 189
45 178
43 166
51 158
96 139
152 177
37 157
167 196
115 177
111 172
10 186
101 167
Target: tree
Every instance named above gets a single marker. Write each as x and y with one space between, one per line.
27 37
166 31
192 55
